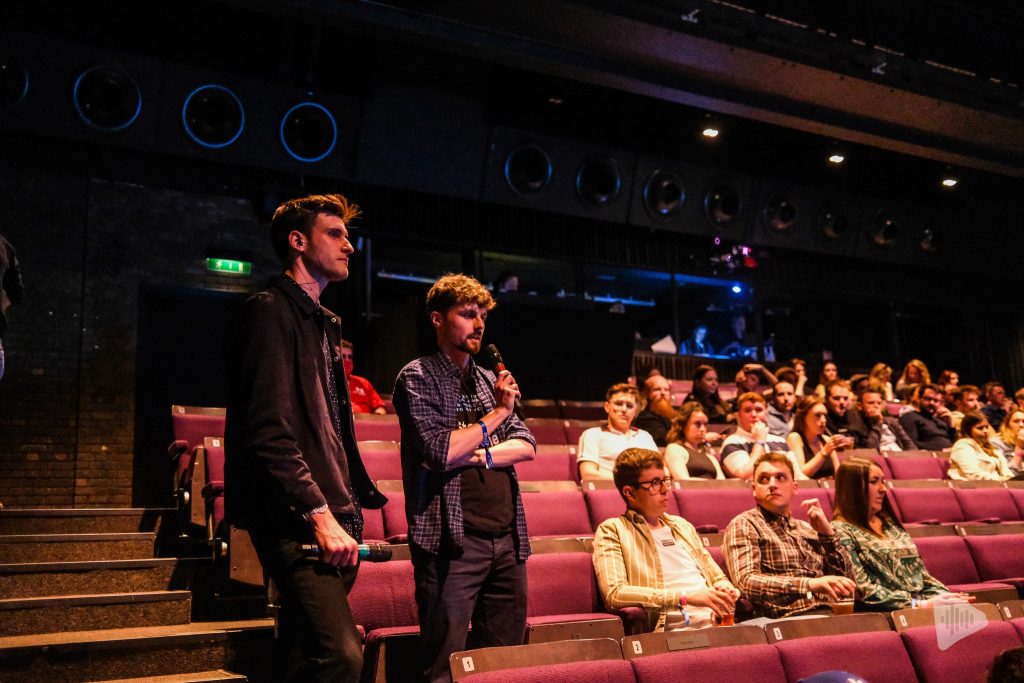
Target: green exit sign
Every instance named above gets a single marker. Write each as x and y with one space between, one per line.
229 267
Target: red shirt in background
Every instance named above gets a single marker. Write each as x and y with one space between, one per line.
365 398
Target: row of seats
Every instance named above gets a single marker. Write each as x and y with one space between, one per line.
914 648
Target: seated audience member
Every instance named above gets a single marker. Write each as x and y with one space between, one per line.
751 438
689 455
654 560
1007 667
973 458
815 452
800 368
996 402
843 417
965 399
779 415
785 566
697 344
914 372
365 398
1018 398
753 377
656 417
947 378
829 373
1010 439
599 446
858 383
889 572
507 282
885 432
881 374
930 423
705 392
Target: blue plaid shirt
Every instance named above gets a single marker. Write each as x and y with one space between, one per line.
426 399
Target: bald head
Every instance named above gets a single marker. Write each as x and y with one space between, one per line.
657 387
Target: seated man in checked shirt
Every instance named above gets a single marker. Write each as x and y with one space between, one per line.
655 560
785 566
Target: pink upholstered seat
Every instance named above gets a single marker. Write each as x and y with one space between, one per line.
999 558
759 663
965 659
712 507
874 656
396 526
547 430
604 504
918 505
599 671
551 463
922 467
382 462
987 503
556 513
377 427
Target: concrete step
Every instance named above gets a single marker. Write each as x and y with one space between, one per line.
38 579
218 676
75 547
246 647
80 520
24 616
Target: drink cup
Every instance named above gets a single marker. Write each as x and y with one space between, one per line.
842 607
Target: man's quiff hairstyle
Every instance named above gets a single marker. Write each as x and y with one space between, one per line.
750 397
630 463
455 289
622 388
300 214
775 458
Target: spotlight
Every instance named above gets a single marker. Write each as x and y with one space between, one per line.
13 81
528 169
106 98
885 229
710 132
664 195
308 132
779 214
949 182
722 205
736 289
213 116
836 159
832 224
598 182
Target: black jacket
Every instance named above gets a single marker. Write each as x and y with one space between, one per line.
283 457
654 424
927 432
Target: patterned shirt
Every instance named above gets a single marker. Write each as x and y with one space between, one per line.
737 448
426 398
774 557
889 571
629 569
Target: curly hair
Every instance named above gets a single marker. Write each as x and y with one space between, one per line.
453 289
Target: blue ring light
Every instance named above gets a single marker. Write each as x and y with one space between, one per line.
7 61
86 117
213 88
330 119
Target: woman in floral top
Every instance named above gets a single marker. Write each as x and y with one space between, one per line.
887 567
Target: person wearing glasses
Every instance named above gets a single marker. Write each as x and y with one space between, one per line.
648 558
365 398
930 425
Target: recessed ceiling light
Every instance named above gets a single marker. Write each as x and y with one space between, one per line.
710 132
836 159
949 182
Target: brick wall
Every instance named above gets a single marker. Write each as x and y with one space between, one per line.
87 247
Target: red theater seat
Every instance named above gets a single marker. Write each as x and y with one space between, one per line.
738 663
948 559
550 463
547 430
999 557
965 660
599 671
987 503
383 459
917 505
706 508
556 513
396 526
874 656
377 427
915 467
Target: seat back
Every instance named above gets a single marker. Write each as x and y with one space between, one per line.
605 504
582 410
917 505
550 463
591 657
561 583
547 430
556 513
396 525
915 467
966 658
192 424
660 642
214 484
384 596
875 656
382 459
987 503
371 427
947 559
712 507
540 407
732 663
794 629
868 454
998 556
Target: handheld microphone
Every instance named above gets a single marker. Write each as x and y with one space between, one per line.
499 366
368 552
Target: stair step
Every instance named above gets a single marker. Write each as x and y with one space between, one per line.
75 547
37 579
197 677
23 616
80 520
246 647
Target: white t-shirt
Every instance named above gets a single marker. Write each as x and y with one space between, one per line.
680 572
601 445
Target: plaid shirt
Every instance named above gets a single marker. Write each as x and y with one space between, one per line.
426 399
772 559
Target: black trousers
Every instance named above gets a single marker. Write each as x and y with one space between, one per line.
486 584
316 631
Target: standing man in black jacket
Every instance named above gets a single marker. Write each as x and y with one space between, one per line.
293 473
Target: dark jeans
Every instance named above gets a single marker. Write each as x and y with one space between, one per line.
316 631
486 584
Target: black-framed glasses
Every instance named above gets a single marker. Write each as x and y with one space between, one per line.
656 484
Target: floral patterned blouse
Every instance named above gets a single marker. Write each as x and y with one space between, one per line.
888 570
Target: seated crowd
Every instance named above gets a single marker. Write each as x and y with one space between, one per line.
772 413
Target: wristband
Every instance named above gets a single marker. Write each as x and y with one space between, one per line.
308 516
682 600
486 445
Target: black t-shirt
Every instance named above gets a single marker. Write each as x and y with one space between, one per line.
487 502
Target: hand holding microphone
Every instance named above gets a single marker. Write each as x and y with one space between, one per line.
506 386
368 552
